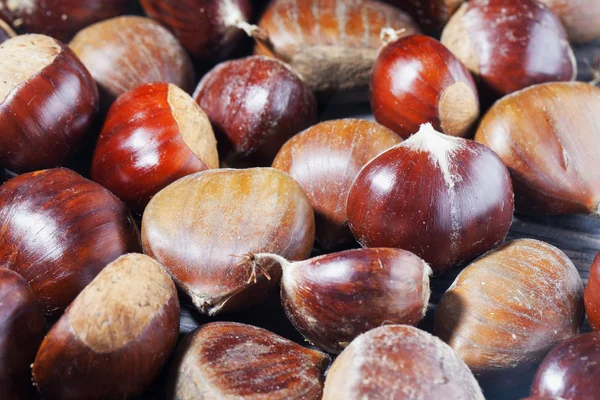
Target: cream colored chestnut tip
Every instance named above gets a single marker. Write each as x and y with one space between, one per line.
458 109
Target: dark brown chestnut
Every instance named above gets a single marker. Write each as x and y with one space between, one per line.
153 135
115 336
416 80
510 44
48 101
592 295
6 32
432 15
399 362
197 226
581 18
223 360
59 230
444 198
22 329
325 159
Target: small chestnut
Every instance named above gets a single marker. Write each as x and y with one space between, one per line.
592 295
6 32
432 15
223 360
115 336
581 18
399 362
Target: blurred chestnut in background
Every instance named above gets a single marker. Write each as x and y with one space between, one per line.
417 80
325 159
432 15
125 52
331 43
200 225
153 135
208 29
581 18
444 198
592 295
231 360
48 101
506 310
399 362
115 337
22 329
510 44
59 230
6 32
255 104
549 138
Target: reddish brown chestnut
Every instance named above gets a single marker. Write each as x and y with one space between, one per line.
331 43
510 44
581 18
548 137
444 198
592 295
48 101
22 329
432 15
325 159
223 360
59 230
256 104
197 225
115 336
506 310
6 32
417 80
399 362
153 135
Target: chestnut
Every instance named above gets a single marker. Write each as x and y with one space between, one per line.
125 52
325 159
581 18
153 135
115 336
399 362
417 80
198 226
230 360
548 137
432 15
506 310
6 32
255 104
48 101
592 295
59 230
444 198
510 44
22 329
331 43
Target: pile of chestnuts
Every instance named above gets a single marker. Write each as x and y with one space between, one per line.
168 169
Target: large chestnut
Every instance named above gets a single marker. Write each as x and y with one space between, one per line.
6 32
153 135
59 230
399 362
506 310
548 137
256 104
230 360
444 198
22 329
581 18
331 43
432 15
115 336
200 225
592 295
510 44
48 101
325 159
417 80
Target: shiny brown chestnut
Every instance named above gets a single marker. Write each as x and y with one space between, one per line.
581 18
153 135
255 104
325 159
548 137
331 43
444 198
506 310
22 329
592 295
115 336
510 44
198 226
432 15
399 362
125 52
417 80
59 230
230 360
48 101
6 32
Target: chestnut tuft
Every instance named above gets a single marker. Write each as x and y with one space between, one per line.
6 32
432 15
592 295
581 18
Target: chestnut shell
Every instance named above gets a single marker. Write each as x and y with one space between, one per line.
592 295
581 18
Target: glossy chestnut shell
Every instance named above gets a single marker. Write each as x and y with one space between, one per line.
432 15
592 295
581 18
